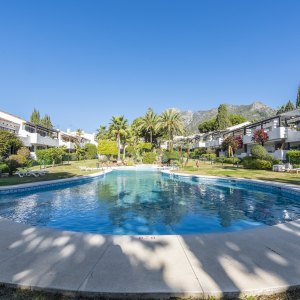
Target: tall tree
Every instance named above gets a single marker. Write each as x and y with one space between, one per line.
118 127
222 120
9 143
289 106
171 122
298 98
281 110
285 108
102 133
149 123
207 126
237 119
35 117
46 121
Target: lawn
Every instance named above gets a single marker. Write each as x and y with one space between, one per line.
205 168
57 172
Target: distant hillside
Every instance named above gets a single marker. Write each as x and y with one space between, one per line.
254 111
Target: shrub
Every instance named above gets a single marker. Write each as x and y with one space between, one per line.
107 147
3 168
51 155
129 162
23 156
90 151
144 146
130 150
199 151
293 156
258 164
233 143
170 155
209 155
228 160
258 151
149 158
260 136
13 163
9 141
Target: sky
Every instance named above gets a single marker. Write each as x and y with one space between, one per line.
83 61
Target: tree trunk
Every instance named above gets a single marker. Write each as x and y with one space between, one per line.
119 147
151 136
124 151
187 156
170 142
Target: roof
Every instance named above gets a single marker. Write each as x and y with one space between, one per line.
13 115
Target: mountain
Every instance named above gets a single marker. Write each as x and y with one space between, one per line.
253 112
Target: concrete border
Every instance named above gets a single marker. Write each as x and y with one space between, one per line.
50 183
260 261
291 189
254 262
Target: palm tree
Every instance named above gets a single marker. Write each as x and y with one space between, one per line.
102 133
118 127
171 122
149 123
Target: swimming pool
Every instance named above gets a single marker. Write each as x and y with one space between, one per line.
149 202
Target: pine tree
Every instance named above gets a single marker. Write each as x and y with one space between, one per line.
289 106
46 121
281 110
35 117
222 120
298 98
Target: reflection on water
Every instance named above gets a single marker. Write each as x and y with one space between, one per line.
145 202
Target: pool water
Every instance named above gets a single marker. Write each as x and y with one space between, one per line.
148 202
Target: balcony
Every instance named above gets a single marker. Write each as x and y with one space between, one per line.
25 140
293 136
214 143
37 139
68 145
247 139
198 145
277 133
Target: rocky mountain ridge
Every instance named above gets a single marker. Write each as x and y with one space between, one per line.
253 112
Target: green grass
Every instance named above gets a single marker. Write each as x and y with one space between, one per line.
57 172
227 170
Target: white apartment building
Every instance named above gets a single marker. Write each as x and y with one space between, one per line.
283 134
39 137
33 136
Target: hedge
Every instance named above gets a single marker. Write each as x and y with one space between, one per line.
209 156
149 158
293 156
168 156
258 164
228 160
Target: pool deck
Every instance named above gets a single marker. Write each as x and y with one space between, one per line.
251 262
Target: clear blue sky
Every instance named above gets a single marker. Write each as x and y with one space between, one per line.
84 61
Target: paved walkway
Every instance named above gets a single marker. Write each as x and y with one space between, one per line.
259 261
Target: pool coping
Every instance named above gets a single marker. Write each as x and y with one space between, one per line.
291 189
109 268
261 261
56 182
47 183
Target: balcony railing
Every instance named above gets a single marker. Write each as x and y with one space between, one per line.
292 136
37 139
68 145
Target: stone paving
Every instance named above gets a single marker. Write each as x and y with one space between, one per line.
251 262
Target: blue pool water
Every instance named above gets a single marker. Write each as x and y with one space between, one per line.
147 202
